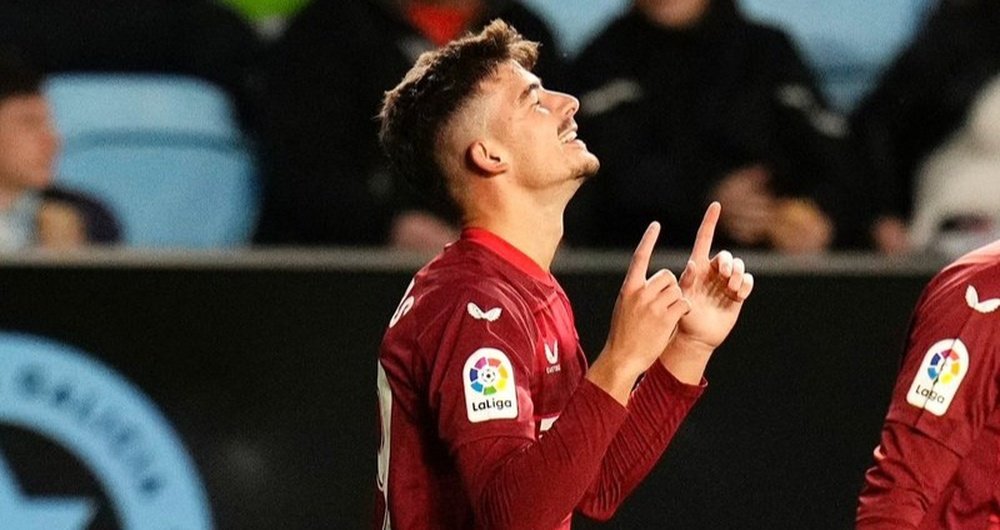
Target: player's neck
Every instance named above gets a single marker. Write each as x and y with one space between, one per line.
535 232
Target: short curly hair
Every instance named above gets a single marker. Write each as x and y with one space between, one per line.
415 112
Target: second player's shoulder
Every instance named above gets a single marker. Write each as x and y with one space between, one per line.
972 279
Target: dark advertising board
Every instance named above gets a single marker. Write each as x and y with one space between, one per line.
240 394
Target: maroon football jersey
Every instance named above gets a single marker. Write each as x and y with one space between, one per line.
480 359
483 344
937 464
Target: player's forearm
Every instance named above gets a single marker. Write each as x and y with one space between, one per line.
686 359
614 378
656 410
519 484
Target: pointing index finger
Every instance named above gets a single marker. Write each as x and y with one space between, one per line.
703 241
637 269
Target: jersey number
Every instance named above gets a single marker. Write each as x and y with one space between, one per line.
385 424
405 305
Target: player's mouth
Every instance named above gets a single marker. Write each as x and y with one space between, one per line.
568 134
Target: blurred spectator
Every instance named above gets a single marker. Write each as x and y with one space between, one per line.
326 180
956 205
684 102
194 37
32 211
921 101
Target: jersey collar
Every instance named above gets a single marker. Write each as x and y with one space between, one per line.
508 252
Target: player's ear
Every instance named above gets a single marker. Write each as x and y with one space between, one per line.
486 159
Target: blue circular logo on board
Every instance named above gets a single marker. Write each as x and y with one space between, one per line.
85 407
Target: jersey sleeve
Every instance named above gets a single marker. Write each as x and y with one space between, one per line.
480 367
656 410
480 392
946 392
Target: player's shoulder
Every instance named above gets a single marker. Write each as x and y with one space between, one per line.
463 276
981 267
970 285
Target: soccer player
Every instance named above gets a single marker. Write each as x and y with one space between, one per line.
490 416
938 463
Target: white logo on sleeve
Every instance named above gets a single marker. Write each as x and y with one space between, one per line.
939 376
490 392
986 306
490 316
552 354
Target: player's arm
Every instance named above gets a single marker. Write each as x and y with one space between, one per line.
911 469
715 289
925 438
515 481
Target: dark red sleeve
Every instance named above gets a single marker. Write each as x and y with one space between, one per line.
932 424
910 471
512 479
536 484
655 411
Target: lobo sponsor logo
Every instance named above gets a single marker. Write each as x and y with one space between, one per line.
490 392
64 398
940 374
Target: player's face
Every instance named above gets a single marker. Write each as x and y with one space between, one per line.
28 143
537 128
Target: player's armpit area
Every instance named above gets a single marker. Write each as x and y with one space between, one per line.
909 475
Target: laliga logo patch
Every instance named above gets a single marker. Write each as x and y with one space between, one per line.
985 307
940 374
66 397
490 392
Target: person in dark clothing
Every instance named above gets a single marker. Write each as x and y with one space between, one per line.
921 101
33 212
199 38
326 181
689 102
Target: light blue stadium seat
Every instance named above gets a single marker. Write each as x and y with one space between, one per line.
165 154
848 43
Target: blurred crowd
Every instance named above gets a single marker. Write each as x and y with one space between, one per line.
684 102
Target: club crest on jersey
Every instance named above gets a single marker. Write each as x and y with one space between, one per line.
984 306
490 315
490 392
939 376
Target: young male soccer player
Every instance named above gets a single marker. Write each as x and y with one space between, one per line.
938 463
490 416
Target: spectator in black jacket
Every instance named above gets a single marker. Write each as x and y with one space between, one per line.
685 102
33 212
921 101
326 181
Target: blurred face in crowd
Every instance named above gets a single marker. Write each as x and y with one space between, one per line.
529 132
28 143
673 13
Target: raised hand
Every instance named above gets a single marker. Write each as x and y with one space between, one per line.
645 316
716 289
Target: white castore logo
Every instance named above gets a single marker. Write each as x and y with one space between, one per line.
552 354
985 306
490 316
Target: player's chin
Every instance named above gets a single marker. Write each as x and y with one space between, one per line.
588 166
